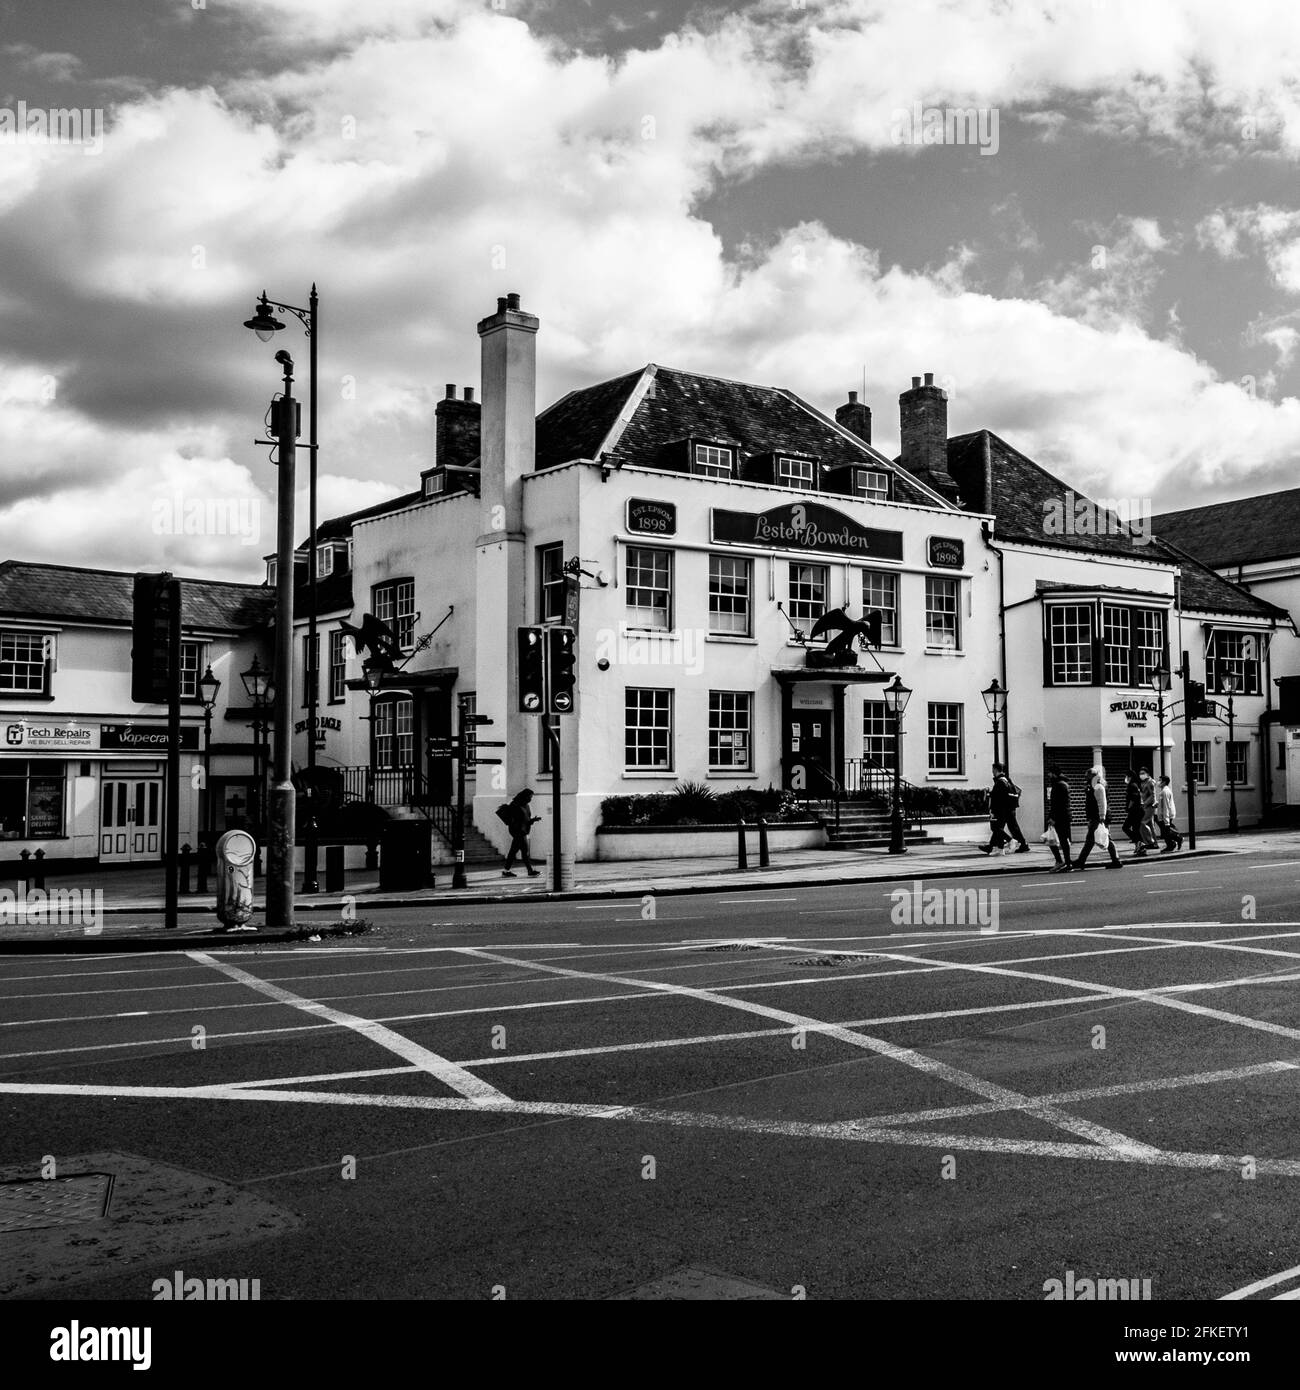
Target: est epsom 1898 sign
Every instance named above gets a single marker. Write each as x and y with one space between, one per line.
649 518
805 526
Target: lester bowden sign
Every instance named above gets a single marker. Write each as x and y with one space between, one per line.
805 526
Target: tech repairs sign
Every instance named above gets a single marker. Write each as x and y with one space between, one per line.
27 733
805 526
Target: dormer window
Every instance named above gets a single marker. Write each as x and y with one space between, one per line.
324 561
873 483
271 571
434 484
793 472
713 460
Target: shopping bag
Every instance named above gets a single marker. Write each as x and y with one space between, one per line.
1101 837
1050 837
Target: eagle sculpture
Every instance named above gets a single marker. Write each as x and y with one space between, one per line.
376 637
839 650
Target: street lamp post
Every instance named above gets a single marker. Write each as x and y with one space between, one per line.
995 701
266 325
896 696
257 683
1231 684
1160 682
209 686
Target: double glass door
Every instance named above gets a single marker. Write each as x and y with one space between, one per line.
130 820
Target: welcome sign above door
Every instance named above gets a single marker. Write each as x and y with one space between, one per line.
804 526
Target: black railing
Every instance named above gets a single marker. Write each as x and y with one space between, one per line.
385 786
864 780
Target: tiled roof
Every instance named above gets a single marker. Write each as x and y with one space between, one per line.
1237 533
754 419
340 527
105 596
1022 492
577 424
333 593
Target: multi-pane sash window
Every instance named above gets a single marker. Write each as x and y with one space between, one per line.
338 666
1238 762
1117 645
945 740
942 628
1201 763
1069 636
648 729
712 461
324 561
394 604
649 587
876 486
796 473
1133 644
550 583
22 662
878 733
880 591
394 733
191 669
1148 644
729 585
807 592
1233 653
729 728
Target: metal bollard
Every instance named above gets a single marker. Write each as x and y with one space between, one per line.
333 868
201 870
372 854
763 859
235 853
25 876
39 860
742 858
183 886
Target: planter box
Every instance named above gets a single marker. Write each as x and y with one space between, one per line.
618 842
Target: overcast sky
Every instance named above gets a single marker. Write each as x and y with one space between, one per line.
725 189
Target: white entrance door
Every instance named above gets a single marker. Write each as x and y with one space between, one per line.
130 820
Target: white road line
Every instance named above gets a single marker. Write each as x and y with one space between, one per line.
1159 995
1284 864
1128 1088
1172 873
445 1071
763 898
953 1075
782 1129
1260 1284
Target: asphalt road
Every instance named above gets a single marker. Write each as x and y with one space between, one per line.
788 1093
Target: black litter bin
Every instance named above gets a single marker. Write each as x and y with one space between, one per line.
405 855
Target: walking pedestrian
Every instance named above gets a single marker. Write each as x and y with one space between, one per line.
1132 826
517 816
1098 814
1147 793
1004 799
1167 817
1058 815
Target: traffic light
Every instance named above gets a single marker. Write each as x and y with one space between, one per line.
1196 706
150 647
563 654
532 670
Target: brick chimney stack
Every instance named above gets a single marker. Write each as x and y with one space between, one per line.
855 416
923 422
456 428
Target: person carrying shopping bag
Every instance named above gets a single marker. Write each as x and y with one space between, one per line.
1167 817
1098 814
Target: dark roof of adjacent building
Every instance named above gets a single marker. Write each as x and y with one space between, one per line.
679 405
30 590
1237 533
1024 492
338 528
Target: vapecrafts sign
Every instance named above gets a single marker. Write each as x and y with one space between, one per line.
805 526
153 737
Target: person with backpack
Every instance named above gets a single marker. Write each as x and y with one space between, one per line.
1098 814
1004 798
518 820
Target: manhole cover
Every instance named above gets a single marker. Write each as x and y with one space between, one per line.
733 946
40 1202
829 960
694 1283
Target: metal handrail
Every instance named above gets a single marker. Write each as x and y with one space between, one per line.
866 776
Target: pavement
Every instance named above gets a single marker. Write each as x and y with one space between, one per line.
753 1094
132 899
